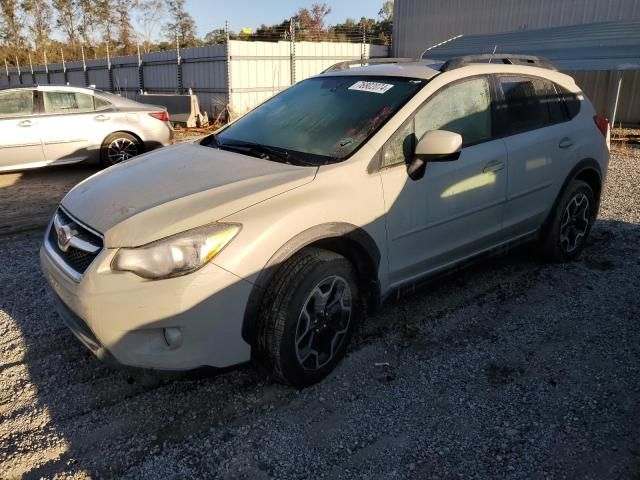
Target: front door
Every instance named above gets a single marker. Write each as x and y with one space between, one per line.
20 143
456 209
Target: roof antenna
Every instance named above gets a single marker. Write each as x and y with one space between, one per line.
495 47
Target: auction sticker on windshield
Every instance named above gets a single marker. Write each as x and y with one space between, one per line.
373 87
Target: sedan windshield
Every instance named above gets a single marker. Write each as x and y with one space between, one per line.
319 120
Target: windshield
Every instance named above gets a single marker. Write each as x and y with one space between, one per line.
322 119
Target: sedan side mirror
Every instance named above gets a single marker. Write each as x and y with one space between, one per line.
434 146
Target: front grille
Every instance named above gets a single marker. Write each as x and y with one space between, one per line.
76 257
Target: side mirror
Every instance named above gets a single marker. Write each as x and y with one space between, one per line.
434 146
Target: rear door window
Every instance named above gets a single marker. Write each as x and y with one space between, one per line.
101 103
67 102
17 103
525 103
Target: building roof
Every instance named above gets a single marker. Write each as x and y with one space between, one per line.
591 46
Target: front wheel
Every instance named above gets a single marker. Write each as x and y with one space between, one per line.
570 224
119 147
308 316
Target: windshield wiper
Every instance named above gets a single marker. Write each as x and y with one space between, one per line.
263 151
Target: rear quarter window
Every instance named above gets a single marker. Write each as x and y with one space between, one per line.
571 101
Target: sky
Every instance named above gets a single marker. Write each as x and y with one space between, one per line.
211 14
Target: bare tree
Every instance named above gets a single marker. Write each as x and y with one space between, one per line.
386 11
152 12
311 21
182 24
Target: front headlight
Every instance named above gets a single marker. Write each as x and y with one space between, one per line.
177 255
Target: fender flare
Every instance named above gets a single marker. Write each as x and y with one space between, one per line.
325 231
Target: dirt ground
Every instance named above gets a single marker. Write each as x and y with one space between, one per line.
511 369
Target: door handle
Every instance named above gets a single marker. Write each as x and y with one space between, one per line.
566 142
101 118
493 166
24 123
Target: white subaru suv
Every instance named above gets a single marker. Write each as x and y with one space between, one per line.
269 239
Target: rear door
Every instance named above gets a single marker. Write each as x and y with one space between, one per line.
532 123
20 143
68 125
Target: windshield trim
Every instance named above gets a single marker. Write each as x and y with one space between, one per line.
333 160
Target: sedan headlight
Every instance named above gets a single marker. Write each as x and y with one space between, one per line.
177 255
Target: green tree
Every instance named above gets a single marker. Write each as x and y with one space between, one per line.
66 19
11 30
37 16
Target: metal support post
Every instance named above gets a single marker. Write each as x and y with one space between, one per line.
292 54
64 68
179 66
615 86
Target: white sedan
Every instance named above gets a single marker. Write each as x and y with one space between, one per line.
53 125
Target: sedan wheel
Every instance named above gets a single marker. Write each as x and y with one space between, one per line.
119 147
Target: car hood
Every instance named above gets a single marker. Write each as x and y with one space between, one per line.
174 189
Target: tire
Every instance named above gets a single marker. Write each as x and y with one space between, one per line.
119 147
291 306
569 226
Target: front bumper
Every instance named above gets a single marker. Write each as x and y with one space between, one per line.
122 317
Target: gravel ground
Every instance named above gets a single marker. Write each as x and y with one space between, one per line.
512 369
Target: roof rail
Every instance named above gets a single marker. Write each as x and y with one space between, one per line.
367 61
505 58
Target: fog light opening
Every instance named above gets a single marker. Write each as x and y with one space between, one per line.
173 337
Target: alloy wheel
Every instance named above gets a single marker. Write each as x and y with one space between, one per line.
574 223
121 149
323 322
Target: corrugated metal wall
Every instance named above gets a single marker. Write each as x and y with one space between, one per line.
420 24
257 70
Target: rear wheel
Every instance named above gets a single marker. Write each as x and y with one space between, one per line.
308 316
569 228
119 147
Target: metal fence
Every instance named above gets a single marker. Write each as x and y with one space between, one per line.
228 78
